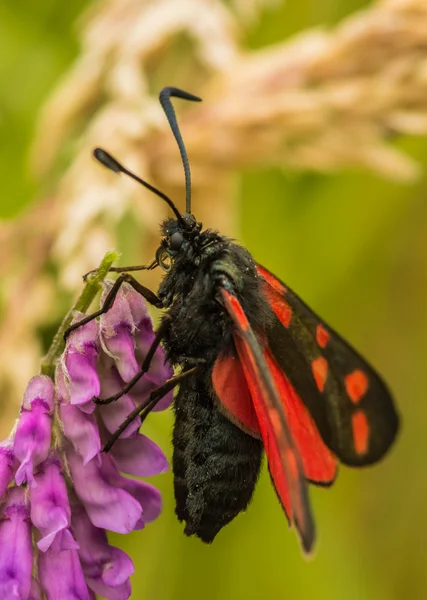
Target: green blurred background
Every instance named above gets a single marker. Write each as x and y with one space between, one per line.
354 246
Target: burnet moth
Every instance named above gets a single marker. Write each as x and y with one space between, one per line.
257 371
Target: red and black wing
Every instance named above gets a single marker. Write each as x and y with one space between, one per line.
235 389
285 463
347 399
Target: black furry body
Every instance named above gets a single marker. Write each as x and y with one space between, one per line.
215 464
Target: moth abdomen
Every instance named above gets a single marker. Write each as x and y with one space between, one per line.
215 464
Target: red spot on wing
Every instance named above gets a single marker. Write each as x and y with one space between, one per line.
319 366
356 385
232 390
322 336
279 305
360 427
274 292
271 280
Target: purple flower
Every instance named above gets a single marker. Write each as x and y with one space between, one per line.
32 438
61 575
53 540
108 506
144 336
15 546
50 508
80 365
139 456
117 335
106 568
115 413
7 465
82 431
35 592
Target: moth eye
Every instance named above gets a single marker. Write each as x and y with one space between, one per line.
175 241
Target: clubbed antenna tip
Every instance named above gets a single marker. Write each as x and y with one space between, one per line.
108 161
111 163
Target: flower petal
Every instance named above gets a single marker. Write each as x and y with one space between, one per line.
35 592
80 361
85 335
7 465
117 327
139 456
82 430
61 384
159 371
115 413
61 575
120 592
32 437
149 498
147 495
83 377
39 389
144 336
15 547
137 305
99 560
32 442
108 506
50 508
121 348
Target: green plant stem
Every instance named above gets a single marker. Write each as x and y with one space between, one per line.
92 287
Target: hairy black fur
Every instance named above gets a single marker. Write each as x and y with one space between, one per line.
200 326
215 464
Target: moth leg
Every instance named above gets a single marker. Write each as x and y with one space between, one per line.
109 300
145 408
188 360
144 367
152 265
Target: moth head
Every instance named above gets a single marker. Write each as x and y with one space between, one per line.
176 238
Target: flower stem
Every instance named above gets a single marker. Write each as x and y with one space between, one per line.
92 287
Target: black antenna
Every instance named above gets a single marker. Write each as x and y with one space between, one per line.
165 101
111 163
